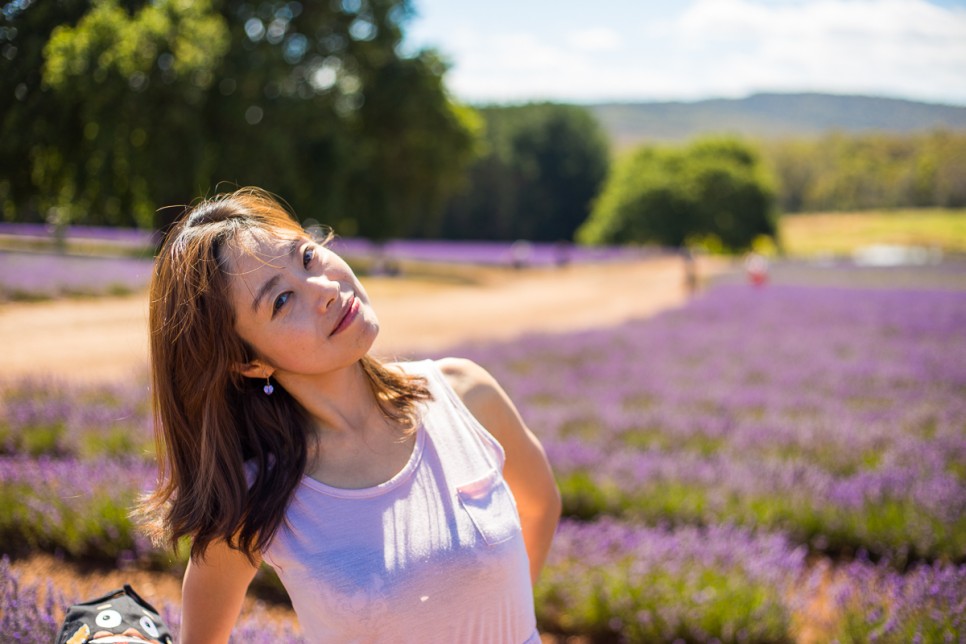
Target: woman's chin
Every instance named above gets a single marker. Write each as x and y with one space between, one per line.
371 333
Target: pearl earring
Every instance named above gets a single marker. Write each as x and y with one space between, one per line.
268 388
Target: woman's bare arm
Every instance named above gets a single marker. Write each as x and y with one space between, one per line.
527 470
212 593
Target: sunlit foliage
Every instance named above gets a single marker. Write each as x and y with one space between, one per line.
712 191
113 110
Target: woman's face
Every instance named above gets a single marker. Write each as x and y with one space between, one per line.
298 304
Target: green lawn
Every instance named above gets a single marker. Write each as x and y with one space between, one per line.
842 233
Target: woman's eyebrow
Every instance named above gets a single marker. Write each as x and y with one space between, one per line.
291 250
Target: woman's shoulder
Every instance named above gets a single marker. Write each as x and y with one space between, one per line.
475 386
467 378
486 400
471 383
461 374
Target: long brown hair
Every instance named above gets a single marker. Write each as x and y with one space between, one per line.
211 423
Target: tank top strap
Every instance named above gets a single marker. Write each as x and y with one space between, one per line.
457 434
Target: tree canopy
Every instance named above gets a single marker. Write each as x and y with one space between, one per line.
855 172
714 190
113 110
541 167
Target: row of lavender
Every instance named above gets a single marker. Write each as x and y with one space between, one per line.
474 252
28 275
715 449
36 276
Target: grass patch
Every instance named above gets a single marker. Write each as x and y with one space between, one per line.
20 295
843 233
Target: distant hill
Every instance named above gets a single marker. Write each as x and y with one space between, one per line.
771 116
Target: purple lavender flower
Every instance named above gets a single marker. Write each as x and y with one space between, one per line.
833 414
27 614
34 275
927 603
636 583
79 507
60 419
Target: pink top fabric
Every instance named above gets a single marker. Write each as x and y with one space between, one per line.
434 554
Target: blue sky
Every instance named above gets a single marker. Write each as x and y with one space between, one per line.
513 51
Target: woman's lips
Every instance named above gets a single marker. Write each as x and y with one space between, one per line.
350 314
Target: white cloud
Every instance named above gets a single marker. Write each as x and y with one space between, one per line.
524 51
595 39
712 48
882 46
516 66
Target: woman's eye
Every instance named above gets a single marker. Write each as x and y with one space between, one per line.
307 256
280 302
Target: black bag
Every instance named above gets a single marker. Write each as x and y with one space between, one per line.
115 612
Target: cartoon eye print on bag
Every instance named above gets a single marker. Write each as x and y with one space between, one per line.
109 618
149 627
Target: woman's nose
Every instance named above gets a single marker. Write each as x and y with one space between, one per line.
327 290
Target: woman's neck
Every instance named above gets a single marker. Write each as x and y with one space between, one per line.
338 401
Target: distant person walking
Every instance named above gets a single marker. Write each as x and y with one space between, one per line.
398 502
521 252
690 272
756 267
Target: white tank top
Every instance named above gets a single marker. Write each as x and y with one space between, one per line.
435 554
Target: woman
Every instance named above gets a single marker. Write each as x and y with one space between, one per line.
396 502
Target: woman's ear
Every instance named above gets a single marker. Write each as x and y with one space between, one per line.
255 369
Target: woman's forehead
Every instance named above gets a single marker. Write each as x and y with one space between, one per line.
253 259
259 246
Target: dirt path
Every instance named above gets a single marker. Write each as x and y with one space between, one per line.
106 339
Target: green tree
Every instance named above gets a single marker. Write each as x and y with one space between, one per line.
316 103
733 195
131 84
857 172
417 146
543 164
714 189
158 102
27 108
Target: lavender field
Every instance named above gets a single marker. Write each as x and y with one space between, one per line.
771 464
834 415
731 461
